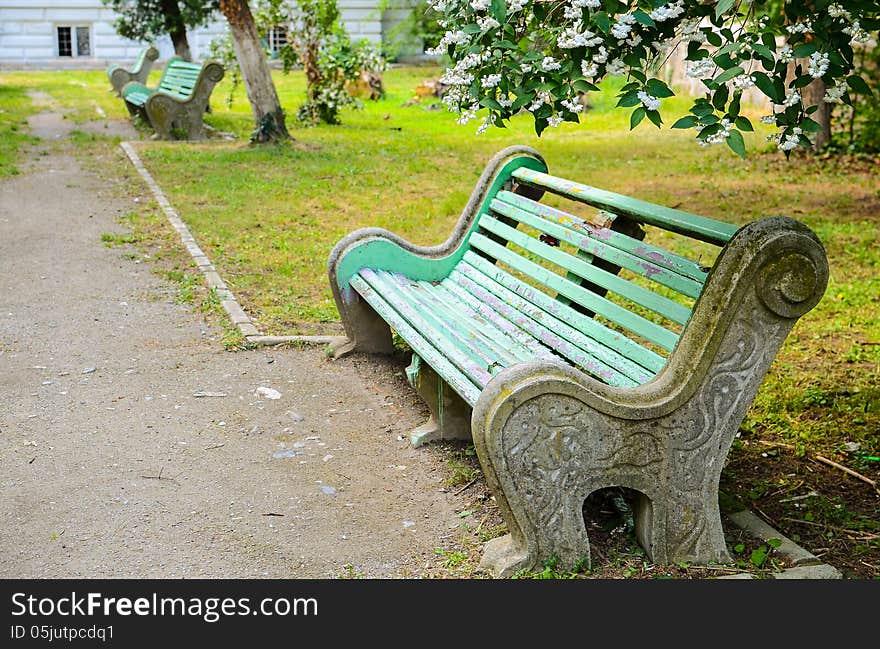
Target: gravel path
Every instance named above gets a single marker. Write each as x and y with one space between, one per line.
112 465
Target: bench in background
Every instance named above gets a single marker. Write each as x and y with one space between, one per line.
579 356
139 71
174 108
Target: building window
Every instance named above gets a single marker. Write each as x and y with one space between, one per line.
74 40
277 37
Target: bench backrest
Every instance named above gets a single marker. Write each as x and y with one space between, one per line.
631 297
179 78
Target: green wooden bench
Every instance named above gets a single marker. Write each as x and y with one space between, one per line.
579 356
139 71
176 105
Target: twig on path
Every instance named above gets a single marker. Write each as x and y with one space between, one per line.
854 534
780 444
208 448
271 514
469 484
159 476
855 474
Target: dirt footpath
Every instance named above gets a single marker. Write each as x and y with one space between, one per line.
132 445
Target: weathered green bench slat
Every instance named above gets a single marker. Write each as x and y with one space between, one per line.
645 251
466 313
476 369
580 350
530 342
455 378
633 292
595 248
458 325
521 295
698 227
614 312
502 291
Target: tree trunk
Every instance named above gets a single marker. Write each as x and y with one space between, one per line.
176 29
255 73
814 94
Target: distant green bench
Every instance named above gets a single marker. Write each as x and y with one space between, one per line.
175 107
139 71
577 355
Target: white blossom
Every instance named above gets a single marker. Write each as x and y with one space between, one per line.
555 120
616 67
690 31
571 38
818 64
621 29
573 105
549 64
768 119
589 69
668 12
856 32
743 81
601 55
836 11
835 95
485 23
800 28
786 55
720 136
791 98
515 5
490 80
480 5
701 68
650 102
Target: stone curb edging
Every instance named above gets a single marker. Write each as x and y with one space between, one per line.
806 564
229 302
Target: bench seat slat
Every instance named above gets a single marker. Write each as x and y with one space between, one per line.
529 342
465 388
659 304
619 315
512 288
588 355
476 370
459 326
698 227
467 312
596 248
647 252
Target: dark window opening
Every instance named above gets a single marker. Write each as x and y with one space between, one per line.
65 44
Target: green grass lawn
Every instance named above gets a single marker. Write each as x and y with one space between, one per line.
269 216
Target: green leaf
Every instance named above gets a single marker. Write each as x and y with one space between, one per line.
729 74
858 84
723 6
759 556
658 89
654 116
804 50
774 543
629 99
720 98
603 22
739 547
491 103
763 51
507 45
688 121
765 84
582 85
499 10
637 116
644 18
811 126
743 124
736 144
714 38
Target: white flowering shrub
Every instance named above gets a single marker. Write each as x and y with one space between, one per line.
510 56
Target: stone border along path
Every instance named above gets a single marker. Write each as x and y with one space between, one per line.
806 564
230 304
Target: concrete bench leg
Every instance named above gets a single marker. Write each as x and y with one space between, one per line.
450 414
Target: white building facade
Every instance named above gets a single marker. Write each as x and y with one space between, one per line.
80 33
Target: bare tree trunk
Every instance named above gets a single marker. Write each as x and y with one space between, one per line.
814 94
255 73
176 29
